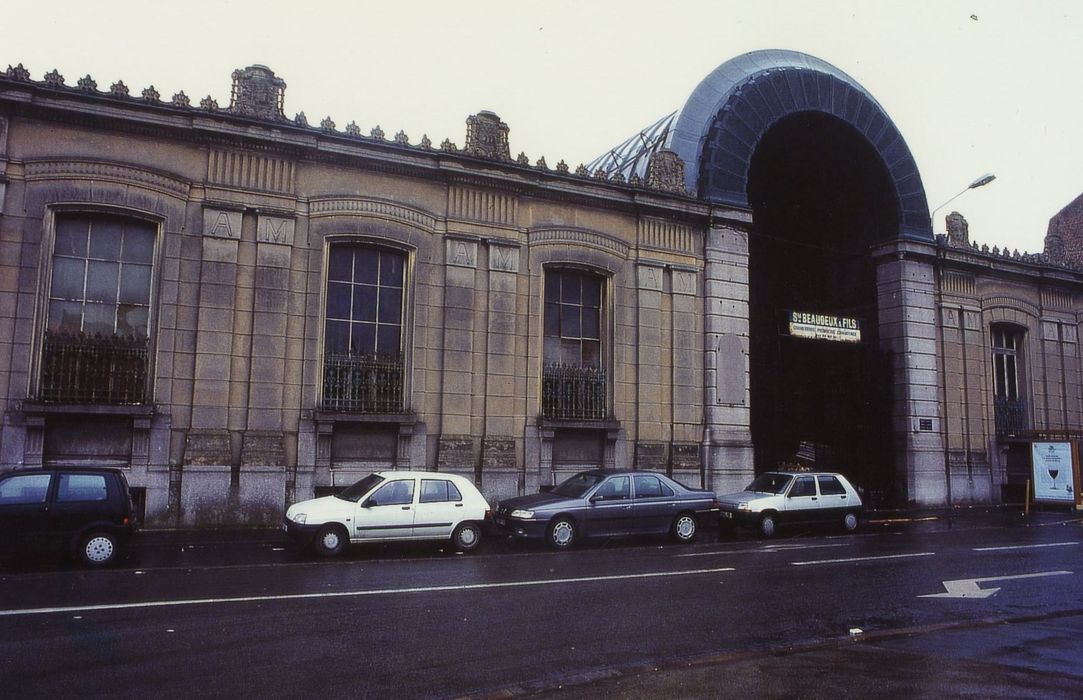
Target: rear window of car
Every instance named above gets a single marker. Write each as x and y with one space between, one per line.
28 488
651 487
81 487
439 491
830 486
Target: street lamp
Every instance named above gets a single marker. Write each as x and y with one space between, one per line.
980 182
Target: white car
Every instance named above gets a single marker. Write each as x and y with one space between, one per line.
389 506
779 498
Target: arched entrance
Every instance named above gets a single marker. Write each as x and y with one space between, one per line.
827 178
820 199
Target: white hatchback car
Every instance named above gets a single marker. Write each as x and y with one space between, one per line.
780 498
389 506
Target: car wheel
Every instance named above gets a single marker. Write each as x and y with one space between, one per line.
768 525
466 537
562 533
850 522
330 540
684 527
98 549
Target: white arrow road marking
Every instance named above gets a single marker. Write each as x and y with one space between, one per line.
969 588
1024 546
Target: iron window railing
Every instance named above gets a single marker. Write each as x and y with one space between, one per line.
1011 416
366 383
77 368
573 392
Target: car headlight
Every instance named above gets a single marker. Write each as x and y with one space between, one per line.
299 518
522 514
742 506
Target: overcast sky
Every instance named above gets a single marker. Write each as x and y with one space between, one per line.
974 87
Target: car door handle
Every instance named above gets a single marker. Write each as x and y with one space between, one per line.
458 505
406 507
814 498
843 497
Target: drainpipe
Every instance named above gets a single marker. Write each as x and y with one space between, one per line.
943 368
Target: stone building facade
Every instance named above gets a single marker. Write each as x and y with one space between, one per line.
243 309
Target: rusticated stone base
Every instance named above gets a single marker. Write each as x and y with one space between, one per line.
455 453
497 453
651 455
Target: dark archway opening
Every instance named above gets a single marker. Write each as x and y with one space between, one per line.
821 199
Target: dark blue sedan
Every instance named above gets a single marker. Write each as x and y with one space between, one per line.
608 503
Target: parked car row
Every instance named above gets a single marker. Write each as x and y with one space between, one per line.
401 505
89 511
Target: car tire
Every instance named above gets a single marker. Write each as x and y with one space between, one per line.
467 537
768 525
330 540
561 533
684 527
850 522
99 548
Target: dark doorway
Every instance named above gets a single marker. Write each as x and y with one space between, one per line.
821 199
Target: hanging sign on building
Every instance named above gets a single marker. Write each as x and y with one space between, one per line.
806 324
1054 478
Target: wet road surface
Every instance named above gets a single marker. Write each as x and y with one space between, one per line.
251 615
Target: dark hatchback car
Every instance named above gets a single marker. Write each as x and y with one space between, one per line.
85 511
607 503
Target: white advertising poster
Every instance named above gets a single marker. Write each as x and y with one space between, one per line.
1053 471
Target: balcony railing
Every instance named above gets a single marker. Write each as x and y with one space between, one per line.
1011 417
77 368
363 383
575 393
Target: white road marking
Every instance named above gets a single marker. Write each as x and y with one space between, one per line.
853 559
763 550
969 588
354 594
1024 546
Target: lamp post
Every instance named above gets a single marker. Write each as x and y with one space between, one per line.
980 182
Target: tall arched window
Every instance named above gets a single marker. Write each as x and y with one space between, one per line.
1009 402
98 318
575 376
363 329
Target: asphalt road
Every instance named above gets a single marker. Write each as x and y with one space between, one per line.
253 617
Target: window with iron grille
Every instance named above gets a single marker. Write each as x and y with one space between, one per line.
363 356
1008 403
99 304
574 376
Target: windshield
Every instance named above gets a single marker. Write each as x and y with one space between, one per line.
576 486
359 489
770 483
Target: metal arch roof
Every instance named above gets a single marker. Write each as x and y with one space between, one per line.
719 126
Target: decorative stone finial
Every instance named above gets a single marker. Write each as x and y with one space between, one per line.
151 95
958 229
401 138
300 119
635 181
209 103
582 171
352 129
258 93
377 133
88 84
426 142
448 146
18 73
665 171
181 100
487 136
541 164
119 89
618 178
562 167
521 159
327 125
54 78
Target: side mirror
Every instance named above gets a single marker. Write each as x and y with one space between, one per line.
368 503
546 488
595 499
